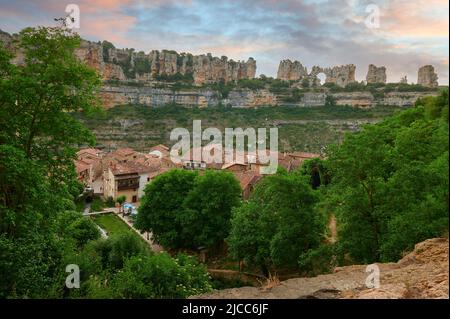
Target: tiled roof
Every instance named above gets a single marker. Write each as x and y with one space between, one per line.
91 151
128 168
247 178
81 166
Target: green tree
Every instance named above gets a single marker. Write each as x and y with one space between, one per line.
123 247
161 205
278 224
207 208
75 225
390 184
186 210
121 199
38 137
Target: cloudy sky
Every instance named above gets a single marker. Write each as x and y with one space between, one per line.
410 33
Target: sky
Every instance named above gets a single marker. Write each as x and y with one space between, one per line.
399 34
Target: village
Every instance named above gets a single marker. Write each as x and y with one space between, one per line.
125 172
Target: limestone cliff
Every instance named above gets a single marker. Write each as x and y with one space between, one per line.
128 65
376 74
113 95
427 77
294 71
291 71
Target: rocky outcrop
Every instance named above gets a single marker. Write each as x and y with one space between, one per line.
427 77
92 54
125 65
291 71
209 69
340 75
246 98
294 71
153 97
423 273
376 74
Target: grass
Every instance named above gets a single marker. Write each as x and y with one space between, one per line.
115 226
112 224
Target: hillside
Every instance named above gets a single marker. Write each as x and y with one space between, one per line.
304 129
423 273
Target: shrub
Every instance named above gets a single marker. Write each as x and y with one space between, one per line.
160 276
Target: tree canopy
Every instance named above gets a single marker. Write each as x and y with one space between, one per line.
186 210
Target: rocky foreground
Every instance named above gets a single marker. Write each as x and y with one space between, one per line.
423 273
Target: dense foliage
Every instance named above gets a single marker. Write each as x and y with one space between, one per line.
186 210
277 224
389 185
40 231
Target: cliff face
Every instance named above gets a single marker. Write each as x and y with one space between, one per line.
427 77
376 74
135 76
423 273
152 97
291 71
128 65
246 98
294 71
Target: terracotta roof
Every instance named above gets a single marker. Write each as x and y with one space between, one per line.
228 165
247 178
81 166
91 151
128 168
125 151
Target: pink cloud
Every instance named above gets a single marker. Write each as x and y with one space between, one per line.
420 18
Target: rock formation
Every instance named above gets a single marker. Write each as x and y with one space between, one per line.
125 64
92 54
209 69
291 71
427 77
295 71
340 75
404 80
376 74
422 273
